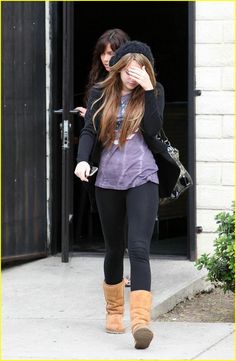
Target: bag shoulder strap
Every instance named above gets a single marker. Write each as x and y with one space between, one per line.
163 135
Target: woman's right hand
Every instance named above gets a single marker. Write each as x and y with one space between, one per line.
81 111
82 171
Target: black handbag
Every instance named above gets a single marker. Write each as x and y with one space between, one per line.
174 179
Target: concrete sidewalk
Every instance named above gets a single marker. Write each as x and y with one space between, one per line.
55 311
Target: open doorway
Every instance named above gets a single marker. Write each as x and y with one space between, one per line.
165 29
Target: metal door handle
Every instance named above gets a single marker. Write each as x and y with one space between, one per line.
74 111
58 111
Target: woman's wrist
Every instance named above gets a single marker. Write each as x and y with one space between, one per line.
148 88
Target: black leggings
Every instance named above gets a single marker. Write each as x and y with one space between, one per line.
134 212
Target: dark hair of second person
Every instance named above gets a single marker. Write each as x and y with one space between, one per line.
105 48
113 37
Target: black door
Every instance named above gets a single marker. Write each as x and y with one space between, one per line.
24 218
64 118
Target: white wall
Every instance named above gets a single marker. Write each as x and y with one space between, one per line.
214 115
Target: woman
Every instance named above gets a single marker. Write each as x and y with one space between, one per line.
125 110
104 49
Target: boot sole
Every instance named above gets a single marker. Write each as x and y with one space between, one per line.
143 336
115 332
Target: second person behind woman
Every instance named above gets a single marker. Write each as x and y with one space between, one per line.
104 49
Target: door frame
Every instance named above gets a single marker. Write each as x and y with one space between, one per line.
191 209
67 128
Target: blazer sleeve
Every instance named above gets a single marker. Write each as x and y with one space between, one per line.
153 113
88 133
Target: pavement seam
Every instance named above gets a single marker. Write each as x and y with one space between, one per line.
214 344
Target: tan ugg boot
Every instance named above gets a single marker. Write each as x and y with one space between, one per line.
114 296
140 312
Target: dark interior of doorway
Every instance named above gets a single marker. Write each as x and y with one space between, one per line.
164 26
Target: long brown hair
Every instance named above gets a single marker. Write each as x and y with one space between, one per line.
111 97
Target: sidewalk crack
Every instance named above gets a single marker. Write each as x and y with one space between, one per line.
214 344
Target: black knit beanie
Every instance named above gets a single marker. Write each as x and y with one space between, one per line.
132 47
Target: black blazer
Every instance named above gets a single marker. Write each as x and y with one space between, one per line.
90 148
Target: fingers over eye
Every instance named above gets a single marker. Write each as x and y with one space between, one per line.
135 70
